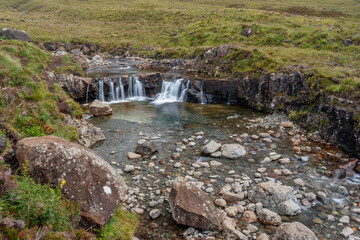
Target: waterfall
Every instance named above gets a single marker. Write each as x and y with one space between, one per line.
122 92
202 96
136 89
172 92
101 91
111 92
87 94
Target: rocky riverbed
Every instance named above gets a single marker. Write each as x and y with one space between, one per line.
258 170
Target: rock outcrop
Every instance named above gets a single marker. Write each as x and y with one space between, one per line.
191 206
277 197
98 108
294 231
20 35
90 180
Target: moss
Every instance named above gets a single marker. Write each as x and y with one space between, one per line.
297 116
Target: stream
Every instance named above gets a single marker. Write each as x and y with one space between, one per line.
176 128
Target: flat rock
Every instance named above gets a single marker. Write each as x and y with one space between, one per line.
232 151
90 180
192 207
211 147
294 231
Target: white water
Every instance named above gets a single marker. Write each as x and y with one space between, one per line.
87 94
101 91
136 91
202 96
172 92
111 92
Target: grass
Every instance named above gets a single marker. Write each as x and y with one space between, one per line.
285 38
26 102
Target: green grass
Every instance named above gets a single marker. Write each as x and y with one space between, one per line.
285 38
26 102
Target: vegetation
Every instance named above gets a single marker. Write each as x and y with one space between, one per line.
26 102
291 34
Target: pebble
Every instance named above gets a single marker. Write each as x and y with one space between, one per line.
284 161
347 231
220 202
191 144
132 155
345 219
177 165
141 141
232 211
216 154
155 213
300 182
129 168
215 163
266 160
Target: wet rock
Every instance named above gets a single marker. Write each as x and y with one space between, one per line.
347 232
132 155
232 151
129 168
3 143
249 217
268 217
211 147
192 207
345 220
300 182
216 154
20 35
294 231
90 180
220 202
215 163
155 213
276 197
233 197
98 108
232 233
88 135
146 148
177 165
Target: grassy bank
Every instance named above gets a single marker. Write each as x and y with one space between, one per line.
306 35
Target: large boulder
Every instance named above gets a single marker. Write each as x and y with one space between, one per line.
146 148
232 151
294 231
277 197
75 86
20 35
98 108
191 206
88 135
90 180
211 147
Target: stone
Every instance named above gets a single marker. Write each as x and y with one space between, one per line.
264 135
20 35
199 133
300 182
129 168
89 180
177 165
231 211
347 232
216 154
233 197
146 148
215 163
229 227
294 231
132 155
211 147
138 210
155 213
263 236
98 108
287 124
268 140
269 217
232 151
275 197
88 135
284 161
345 220
249 217
192 207
141 141
220 202
3 143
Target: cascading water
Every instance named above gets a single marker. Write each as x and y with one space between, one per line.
172 92
87 94
112 96
101 91
202 96
121 93
136 89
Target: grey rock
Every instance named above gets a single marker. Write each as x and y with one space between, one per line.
16 34
232 151
294 231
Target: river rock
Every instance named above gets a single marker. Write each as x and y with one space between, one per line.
155 213
88 135
211 147
98 108
249 217
347 232
191 206
146 148
287 124
232 233
90 180
132 155
20 35
294 231
233 197
276 197
269 217
232 151
3 143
